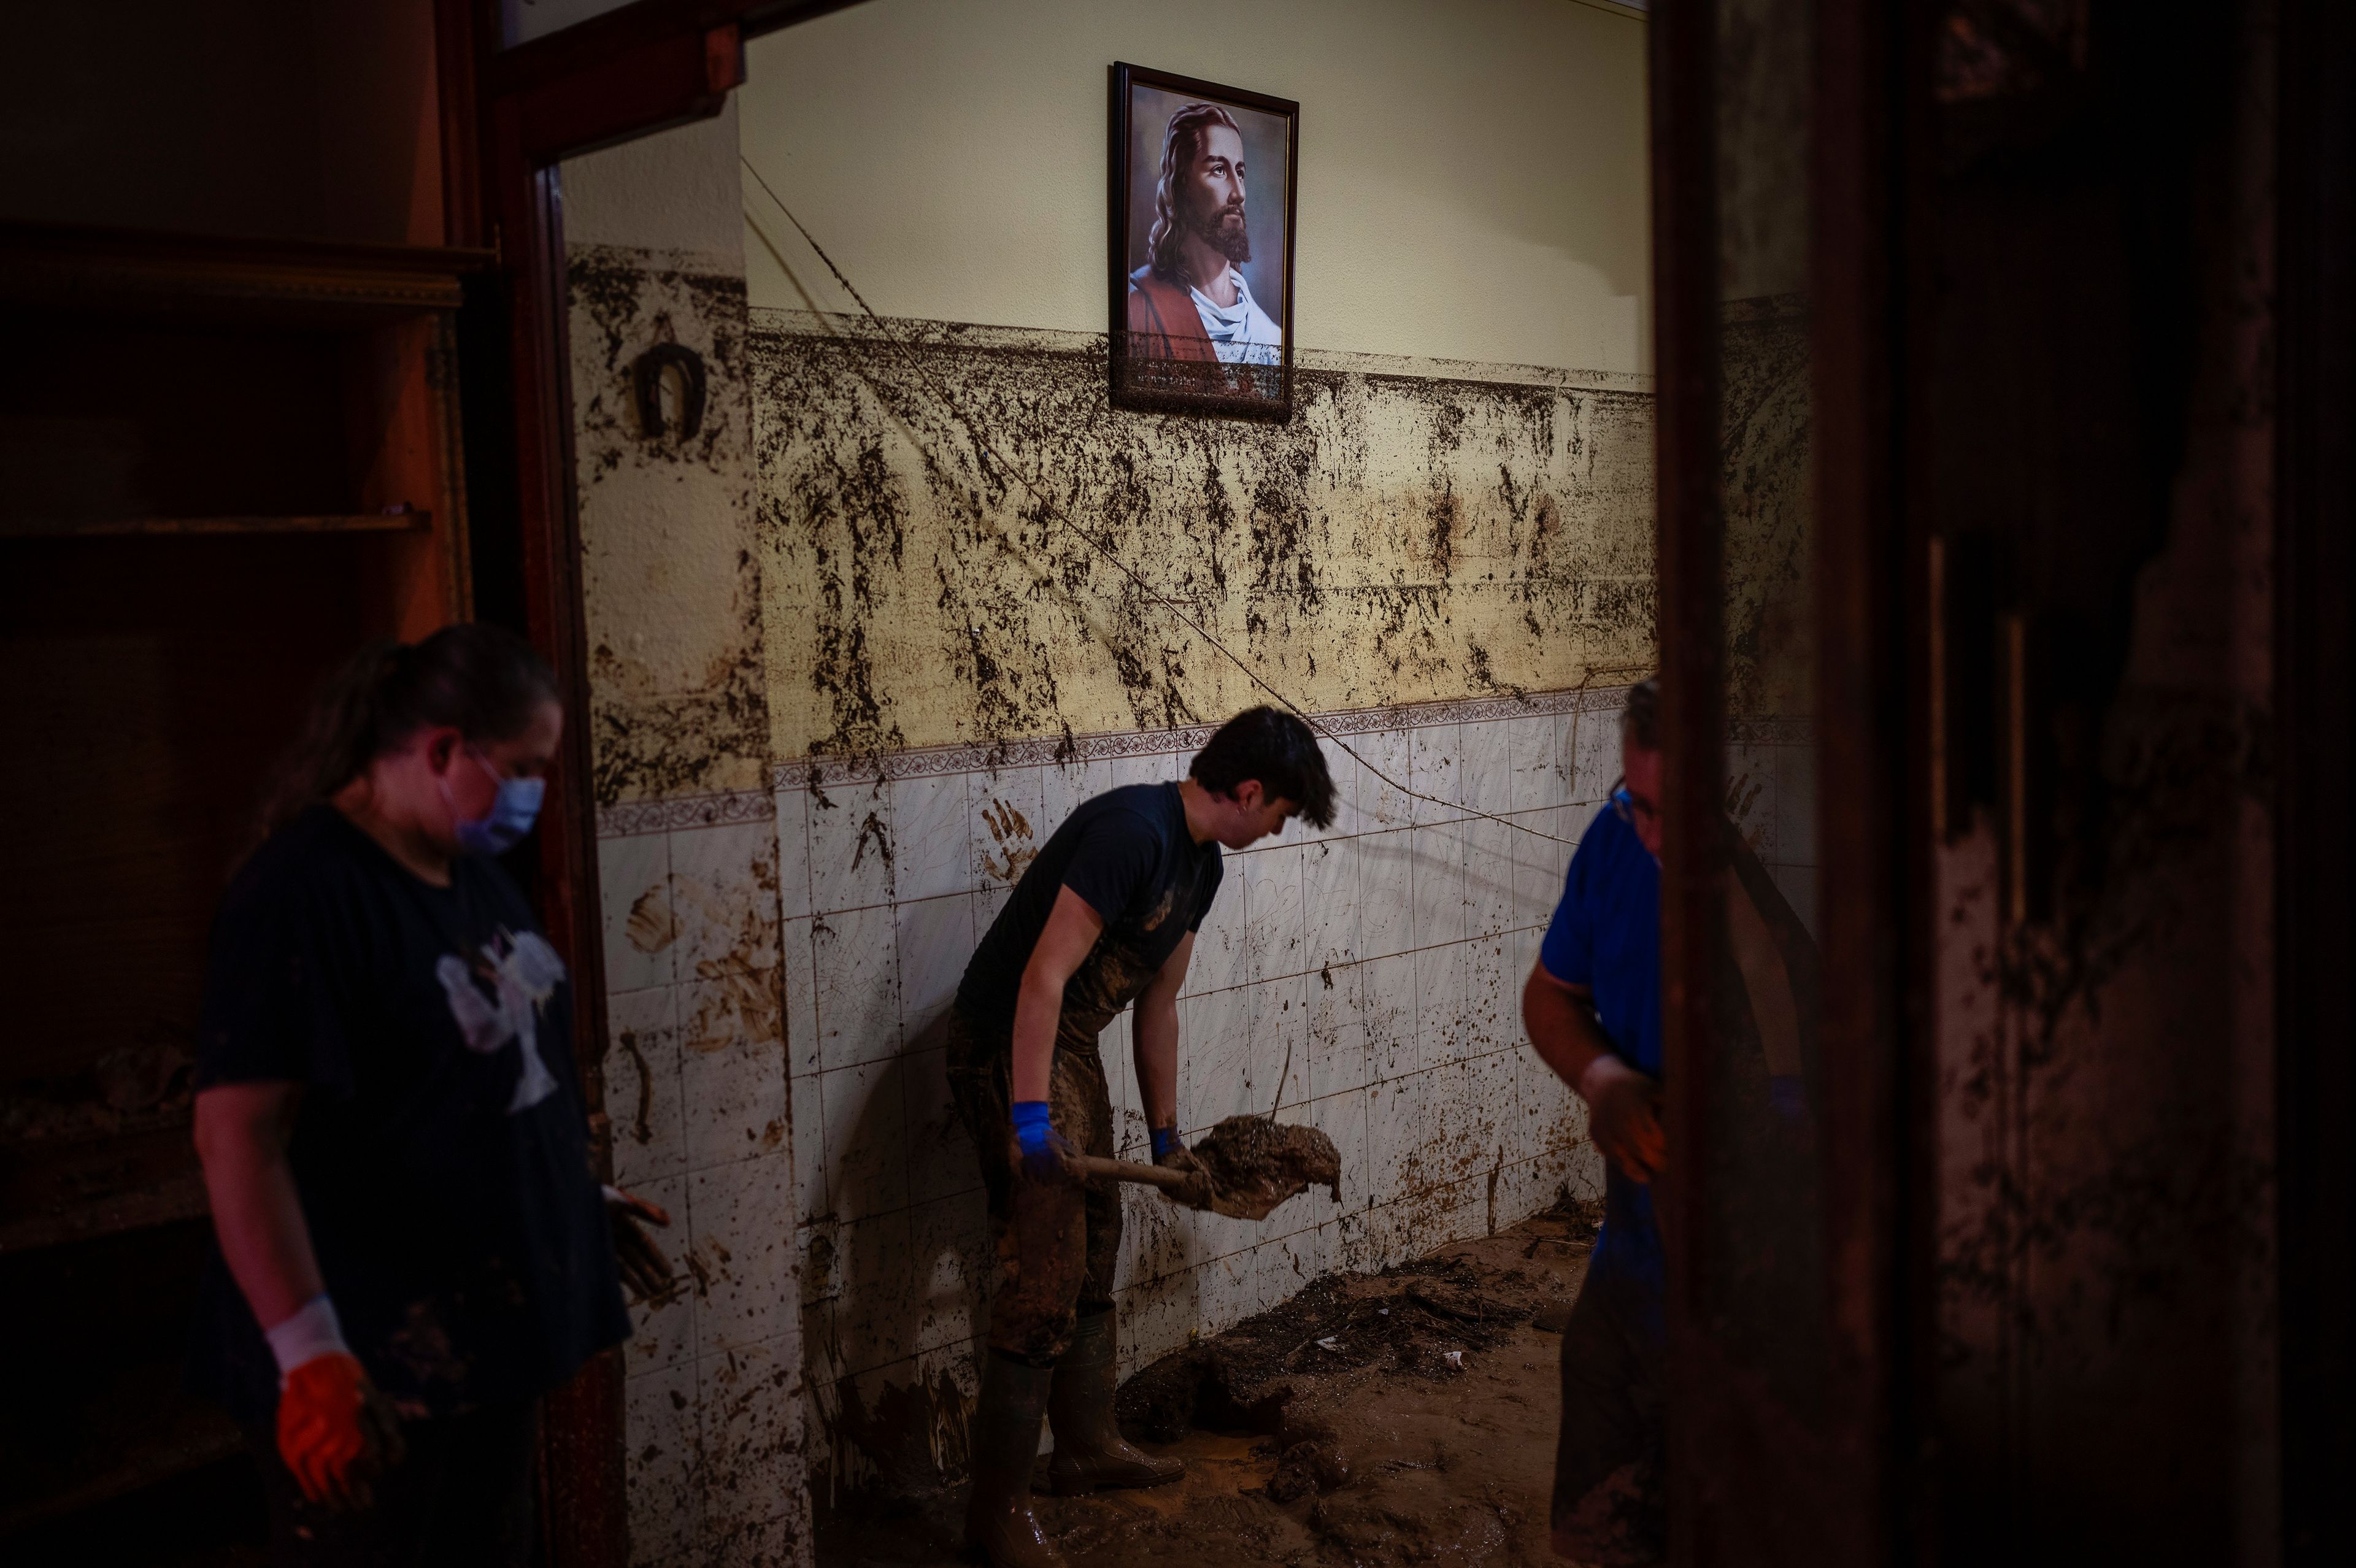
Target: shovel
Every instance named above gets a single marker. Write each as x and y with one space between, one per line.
1257 1205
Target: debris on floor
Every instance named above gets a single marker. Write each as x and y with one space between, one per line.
1402 1417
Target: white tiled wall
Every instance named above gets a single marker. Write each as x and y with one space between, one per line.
696 1093
1381 958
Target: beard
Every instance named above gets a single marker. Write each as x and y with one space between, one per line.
1224 230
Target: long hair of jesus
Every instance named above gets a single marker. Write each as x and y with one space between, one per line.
1180 146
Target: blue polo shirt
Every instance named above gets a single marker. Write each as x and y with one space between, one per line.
1606 935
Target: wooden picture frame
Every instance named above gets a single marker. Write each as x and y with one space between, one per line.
1173 347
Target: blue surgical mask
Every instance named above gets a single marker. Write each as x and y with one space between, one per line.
511 816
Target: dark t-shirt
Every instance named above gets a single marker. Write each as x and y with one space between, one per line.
1127 852
440 1151
1606 935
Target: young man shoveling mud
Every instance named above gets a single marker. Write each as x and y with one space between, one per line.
1105 917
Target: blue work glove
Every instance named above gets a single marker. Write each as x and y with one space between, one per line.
1043 1149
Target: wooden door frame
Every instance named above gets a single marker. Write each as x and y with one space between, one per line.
509 118
2314 512
1748 1472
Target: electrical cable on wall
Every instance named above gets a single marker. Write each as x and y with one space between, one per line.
1052 513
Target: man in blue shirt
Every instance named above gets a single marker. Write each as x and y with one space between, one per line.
1592 1008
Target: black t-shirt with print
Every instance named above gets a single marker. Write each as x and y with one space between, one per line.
1128 853
440 1150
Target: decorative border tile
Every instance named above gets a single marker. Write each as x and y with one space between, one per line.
922 762
686 811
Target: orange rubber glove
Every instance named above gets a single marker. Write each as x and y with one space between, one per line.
335 1431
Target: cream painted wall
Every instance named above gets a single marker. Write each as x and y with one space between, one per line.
1472 172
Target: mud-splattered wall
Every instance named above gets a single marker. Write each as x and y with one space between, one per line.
964 544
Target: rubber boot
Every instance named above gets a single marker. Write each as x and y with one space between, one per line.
1090 1452
999 1523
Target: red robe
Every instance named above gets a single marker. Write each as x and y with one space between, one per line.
1162 321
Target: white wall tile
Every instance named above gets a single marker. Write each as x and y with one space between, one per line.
1062 786
634 894
932 844
1396 1132
1386 894
752 1428
805 1103
1214 1065
1436 771
1388 987
1493 1108
798 986
733 1086
934 939
951 1263
665 1476
643 1101
1388 776
1155 767
851 846
1329 901
1485 764
866 1139
1220 959
1437 885
1276 937
1279 1041
746 1257
1006 816
1538 876
877 1319
724 897
858 986
1591 749
1489 848
1343 1117
793 810
941 1158
1535 781
1443 1033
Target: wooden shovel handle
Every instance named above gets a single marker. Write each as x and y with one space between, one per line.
1128 1170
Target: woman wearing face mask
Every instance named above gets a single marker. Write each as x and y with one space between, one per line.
412 1248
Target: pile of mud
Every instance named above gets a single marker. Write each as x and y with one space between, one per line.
1430 1313
1255 1164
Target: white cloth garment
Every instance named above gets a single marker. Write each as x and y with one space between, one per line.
1241 333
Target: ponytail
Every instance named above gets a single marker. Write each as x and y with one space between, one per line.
483 681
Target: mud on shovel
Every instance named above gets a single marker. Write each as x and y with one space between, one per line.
1251 1166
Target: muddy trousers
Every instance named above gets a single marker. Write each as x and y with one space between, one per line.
1611 1503
1054 1245
462 1498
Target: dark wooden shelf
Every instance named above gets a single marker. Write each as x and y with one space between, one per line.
186 275
76 1190
331 523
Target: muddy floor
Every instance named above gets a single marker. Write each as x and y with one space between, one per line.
1401 1417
